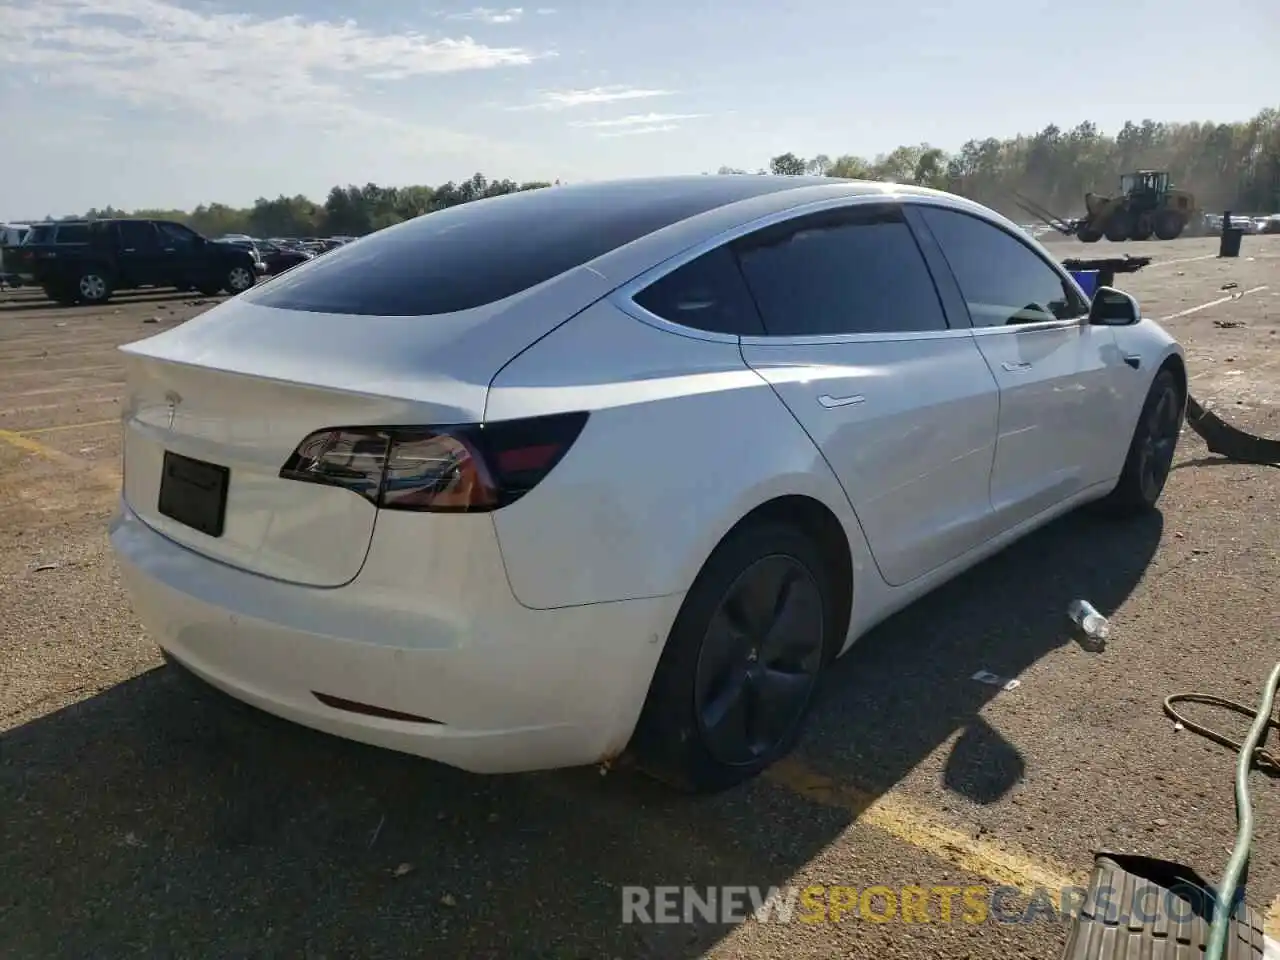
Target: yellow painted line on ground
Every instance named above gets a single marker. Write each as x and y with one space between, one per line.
67 426
106 476
921 828
30 446
1213 303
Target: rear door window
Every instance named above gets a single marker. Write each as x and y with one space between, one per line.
138 235
848 271
73 233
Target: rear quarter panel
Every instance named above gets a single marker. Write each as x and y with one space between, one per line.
683 441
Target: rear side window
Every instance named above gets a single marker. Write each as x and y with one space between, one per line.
707 293
73 233
843 272
484 251
137 233
1002 279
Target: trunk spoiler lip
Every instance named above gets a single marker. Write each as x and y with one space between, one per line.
458 351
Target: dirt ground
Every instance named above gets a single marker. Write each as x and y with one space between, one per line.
146 817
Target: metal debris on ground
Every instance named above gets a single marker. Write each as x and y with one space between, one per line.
1229 285
53 565
1228 441
1228 324
995 680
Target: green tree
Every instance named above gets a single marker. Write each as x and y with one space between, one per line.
1234 165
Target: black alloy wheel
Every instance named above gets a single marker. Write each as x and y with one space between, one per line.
761 656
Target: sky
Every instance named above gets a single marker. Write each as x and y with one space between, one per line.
171 103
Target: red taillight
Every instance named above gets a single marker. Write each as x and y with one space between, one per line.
465 468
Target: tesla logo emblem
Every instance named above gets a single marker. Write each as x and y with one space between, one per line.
172 399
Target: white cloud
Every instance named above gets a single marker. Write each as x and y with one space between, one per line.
487 15
640 131
639 120
230 67
568 99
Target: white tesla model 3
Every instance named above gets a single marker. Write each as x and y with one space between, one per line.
530 481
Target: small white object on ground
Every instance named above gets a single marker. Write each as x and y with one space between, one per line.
995 680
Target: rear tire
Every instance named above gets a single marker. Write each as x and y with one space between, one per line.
93 288
1088 236
737 678
1150 457
1142 229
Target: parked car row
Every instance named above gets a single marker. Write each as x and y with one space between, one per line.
276 256
81 261
312 245
1263 224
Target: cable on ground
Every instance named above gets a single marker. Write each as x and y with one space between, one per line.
1250 755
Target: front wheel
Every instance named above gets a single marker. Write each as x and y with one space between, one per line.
1169 225
1119 227
738 675
239 279
1155 438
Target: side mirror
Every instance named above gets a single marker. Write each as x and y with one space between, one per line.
1113 308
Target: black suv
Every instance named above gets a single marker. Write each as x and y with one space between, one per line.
127 254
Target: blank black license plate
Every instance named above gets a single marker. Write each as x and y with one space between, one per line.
194 493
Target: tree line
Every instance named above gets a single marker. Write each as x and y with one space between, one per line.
347 211
1226 165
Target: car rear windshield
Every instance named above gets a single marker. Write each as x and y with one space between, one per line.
40 234
481 252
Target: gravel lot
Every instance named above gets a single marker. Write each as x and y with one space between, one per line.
147 817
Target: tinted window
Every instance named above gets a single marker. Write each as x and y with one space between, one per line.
1002 280
707 294
137 233
177 235
479 252
845 272
40 234
73 233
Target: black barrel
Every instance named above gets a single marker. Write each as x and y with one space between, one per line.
1229 245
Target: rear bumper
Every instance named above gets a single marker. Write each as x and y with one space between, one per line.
506 688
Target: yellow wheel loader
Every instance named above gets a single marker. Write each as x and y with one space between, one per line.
1147 205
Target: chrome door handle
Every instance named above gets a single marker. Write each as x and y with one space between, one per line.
829 401
1014 367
